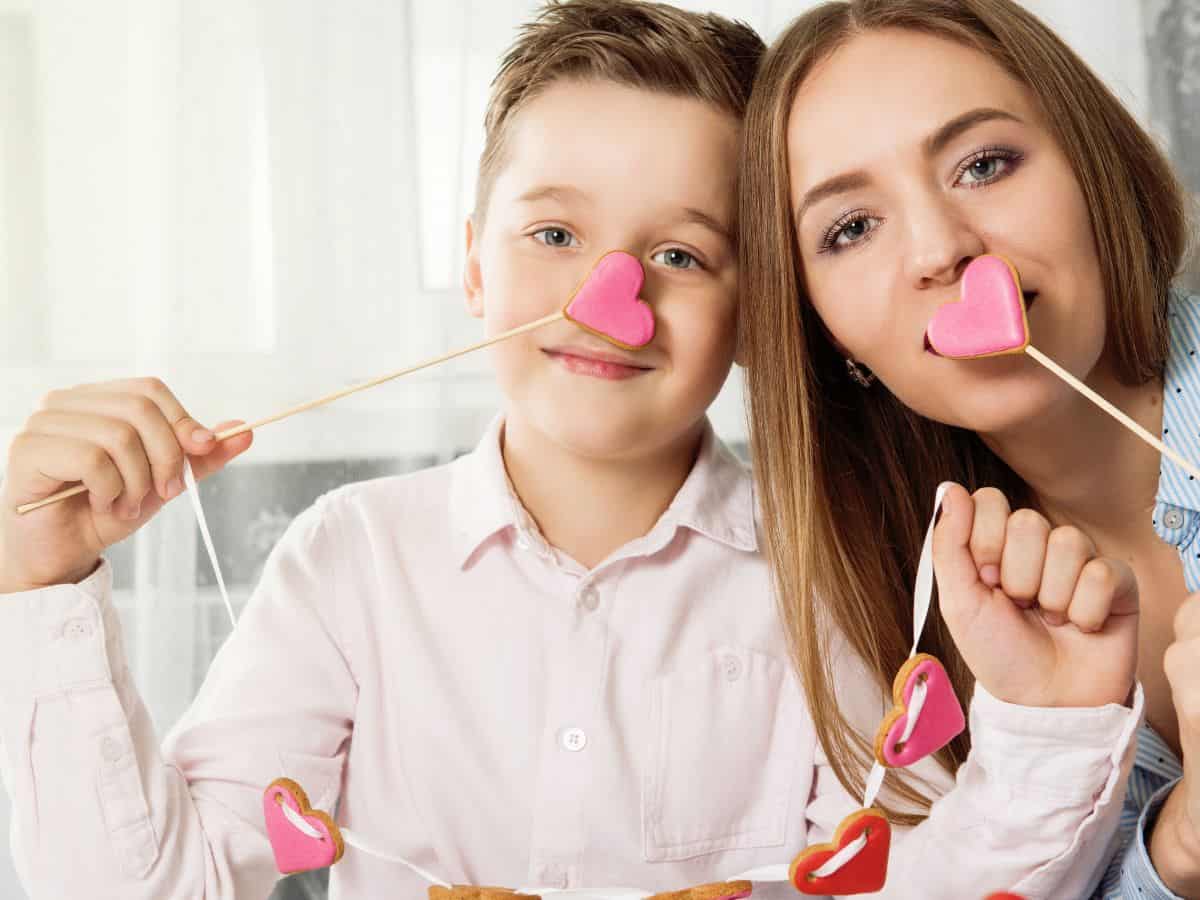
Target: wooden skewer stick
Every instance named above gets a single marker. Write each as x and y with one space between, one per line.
1121 417
329 398
354 389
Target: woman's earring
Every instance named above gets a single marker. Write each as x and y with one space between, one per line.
861 375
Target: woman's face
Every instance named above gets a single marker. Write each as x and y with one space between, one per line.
910 155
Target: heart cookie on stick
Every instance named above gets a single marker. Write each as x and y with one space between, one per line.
990 320
605 304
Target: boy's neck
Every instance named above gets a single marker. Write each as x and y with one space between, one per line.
587 507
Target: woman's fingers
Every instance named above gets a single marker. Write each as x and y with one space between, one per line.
1106 588
1024 556
987 535
1068 550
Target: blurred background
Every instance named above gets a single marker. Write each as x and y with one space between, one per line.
263 200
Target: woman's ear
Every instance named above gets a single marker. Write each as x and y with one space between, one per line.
472 273
741 353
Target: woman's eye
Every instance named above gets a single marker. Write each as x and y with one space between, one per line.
676 259
987 167
849 232
556 237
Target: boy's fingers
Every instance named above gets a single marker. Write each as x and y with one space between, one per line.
60 460
987 536
117 438
222 453
159 440
1024 556
195 439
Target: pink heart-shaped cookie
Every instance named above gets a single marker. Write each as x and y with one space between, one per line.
296 851
607 303
940 719
989 320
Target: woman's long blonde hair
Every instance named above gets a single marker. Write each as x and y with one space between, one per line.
847 475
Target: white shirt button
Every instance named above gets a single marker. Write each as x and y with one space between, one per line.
552 876
77 628
110 749
732 666
589 598
1173 519
573 739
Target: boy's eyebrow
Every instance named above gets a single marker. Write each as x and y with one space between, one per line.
933 145
704 220
560 192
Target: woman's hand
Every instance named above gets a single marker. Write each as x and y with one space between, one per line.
1175 842
1039 617
126 442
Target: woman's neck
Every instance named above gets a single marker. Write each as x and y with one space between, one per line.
1085 468
589 507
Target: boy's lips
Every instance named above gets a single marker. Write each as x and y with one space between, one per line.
596 363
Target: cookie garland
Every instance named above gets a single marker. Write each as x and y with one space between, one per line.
926 716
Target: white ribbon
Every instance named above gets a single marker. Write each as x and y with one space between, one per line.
922 599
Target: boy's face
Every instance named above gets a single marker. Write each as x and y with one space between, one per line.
588 167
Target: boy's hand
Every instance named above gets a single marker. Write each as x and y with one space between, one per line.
125 440
1039 618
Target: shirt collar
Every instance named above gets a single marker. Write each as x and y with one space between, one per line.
716 500
1181 401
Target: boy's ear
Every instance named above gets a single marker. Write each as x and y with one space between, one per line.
472 274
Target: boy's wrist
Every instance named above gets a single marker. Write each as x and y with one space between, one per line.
14 583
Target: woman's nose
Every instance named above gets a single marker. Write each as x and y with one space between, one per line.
941 243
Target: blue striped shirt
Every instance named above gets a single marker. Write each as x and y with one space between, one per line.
1156 768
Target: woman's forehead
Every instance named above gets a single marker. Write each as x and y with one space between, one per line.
886 92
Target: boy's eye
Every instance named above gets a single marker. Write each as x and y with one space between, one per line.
556 237
676 259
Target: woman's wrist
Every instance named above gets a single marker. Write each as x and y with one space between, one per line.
1174 845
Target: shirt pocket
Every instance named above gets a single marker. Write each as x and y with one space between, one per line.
724 734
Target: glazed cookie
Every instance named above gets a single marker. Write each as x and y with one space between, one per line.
727 890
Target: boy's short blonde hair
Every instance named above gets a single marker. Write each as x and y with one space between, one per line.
630 42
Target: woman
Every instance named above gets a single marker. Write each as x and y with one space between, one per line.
889 143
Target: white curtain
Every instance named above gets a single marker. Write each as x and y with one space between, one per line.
262 201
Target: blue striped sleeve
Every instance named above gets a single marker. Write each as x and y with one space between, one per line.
1139 879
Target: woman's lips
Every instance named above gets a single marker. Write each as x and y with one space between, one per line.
583 363
1030 297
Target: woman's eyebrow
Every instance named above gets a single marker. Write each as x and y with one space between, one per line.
936 142
933 145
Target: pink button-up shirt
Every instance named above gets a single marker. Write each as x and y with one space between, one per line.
468 698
